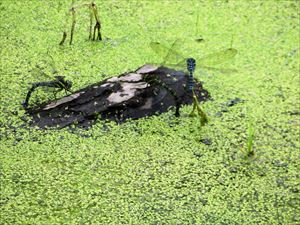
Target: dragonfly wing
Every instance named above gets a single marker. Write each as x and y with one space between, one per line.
45 67
51 62
174 60
169 55
38 73
217 57
159 49
222 70
49 89
41 74
181 65
173 55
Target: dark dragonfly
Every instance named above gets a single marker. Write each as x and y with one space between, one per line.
174 59
52 85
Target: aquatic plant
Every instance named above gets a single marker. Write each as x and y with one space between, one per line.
159 169
249 151
250 140
93 14
201 113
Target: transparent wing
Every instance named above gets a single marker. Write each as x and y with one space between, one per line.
173 59
221 70
170 55
39 74
49 89
51 62
173 55
44 71
159 49
45 68
217 58
179 66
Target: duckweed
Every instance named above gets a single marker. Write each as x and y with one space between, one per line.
155 170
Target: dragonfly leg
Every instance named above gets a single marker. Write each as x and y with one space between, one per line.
67 91
55 92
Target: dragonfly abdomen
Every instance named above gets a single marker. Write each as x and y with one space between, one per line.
190 83
191 66
59 83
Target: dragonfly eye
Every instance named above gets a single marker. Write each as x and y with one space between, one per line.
68 84
191 64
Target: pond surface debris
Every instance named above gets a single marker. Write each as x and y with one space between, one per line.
147 91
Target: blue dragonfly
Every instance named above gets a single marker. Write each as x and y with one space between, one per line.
172 58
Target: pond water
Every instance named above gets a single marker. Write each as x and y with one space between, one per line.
242 167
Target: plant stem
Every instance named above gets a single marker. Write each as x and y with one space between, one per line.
64 38
250 151
73 24
196 105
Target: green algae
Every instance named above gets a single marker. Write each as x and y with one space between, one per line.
161 169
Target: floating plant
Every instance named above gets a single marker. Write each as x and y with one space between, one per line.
93 15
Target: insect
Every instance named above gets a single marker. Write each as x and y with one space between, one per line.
54 85
174 59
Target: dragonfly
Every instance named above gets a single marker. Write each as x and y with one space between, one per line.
55 85
172 58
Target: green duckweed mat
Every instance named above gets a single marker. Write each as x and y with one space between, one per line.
161 169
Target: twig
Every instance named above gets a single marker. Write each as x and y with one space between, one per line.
93 13
64 38
73 24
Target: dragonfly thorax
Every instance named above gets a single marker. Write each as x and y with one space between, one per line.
191 64
66 84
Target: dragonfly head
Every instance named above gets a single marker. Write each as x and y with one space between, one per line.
68 84
191 64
